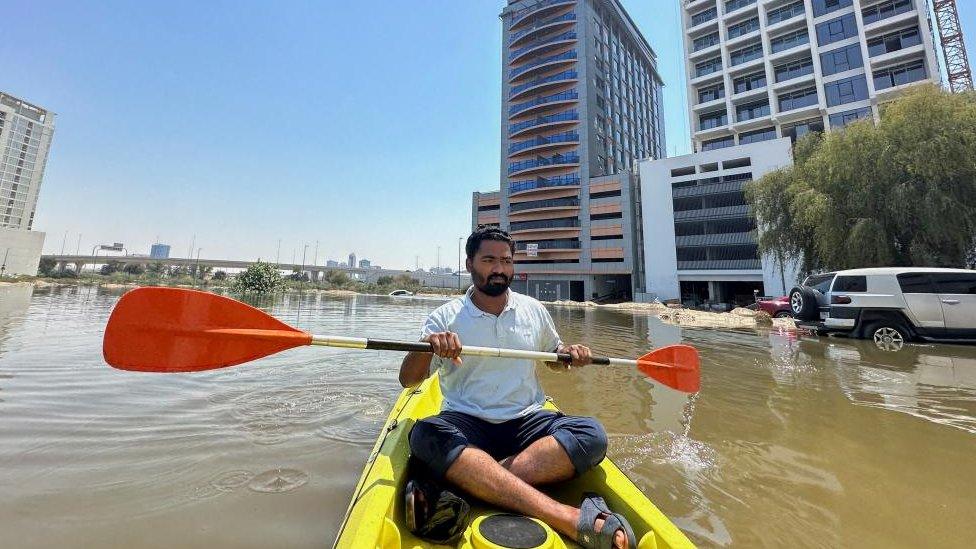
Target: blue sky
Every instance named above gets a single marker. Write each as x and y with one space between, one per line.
363 125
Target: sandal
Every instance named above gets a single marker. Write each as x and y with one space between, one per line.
592 508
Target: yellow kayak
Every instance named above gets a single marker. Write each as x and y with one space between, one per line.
375 518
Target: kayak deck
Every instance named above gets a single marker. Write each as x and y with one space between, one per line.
375 517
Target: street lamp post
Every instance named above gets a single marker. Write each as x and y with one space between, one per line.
3 266
460 238
196 271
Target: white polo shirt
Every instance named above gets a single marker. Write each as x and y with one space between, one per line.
493 389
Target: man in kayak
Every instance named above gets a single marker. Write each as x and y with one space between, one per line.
493 439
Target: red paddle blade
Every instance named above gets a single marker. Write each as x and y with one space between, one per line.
177 330
676 366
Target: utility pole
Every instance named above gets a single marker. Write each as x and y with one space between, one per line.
460 238
438 259
193 244
78 247
63 240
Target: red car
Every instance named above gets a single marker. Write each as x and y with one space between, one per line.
777 307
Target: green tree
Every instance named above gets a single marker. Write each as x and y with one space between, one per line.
260 278
900 193
111 267
156 269
385 280
220 275
46 266
133 269
336 279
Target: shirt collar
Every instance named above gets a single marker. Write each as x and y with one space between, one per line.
473 309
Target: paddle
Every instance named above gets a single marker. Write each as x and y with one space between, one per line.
177 330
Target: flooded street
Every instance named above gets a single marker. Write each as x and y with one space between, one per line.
792 442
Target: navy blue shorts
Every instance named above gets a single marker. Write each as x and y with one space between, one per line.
438 440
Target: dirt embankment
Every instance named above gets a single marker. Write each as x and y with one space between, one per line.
735 319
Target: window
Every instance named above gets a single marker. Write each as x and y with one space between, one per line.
916 283
704 16
733 5
799 129
899 75
744 28
786 12
711 93
847 90
848 284
798 99
894 41
748 53
713 120
793 69
842 119
708 66
822 7
885 10
821 283
706 41
834 30
789 40
752 110
750 82
955 283
841 59
756 136
719 143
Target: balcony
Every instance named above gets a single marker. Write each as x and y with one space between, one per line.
563 77
570 180
549 99
557 244
553 119
721 264
540 163
539 25
564 57
566 223
723 212
721 239
544 204
709 189
537 8
545 41
541 142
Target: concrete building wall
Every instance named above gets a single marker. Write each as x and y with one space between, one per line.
678 219
20 251
834 71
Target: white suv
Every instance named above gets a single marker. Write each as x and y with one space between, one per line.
890 305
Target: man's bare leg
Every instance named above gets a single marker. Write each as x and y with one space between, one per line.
478 474
545 461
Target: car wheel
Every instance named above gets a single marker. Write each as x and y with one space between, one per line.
803 303
783 314
887 335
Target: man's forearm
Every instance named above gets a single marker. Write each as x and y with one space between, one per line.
414 368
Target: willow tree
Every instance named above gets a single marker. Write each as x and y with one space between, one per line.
900 193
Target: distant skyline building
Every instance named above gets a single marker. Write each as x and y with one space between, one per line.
352 260
159 251
581 103
757 71
331 263
363 263
26 131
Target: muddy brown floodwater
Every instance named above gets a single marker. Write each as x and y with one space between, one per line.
792 442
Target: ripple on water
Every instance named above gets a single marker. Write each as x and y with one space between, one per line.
277 481
663 448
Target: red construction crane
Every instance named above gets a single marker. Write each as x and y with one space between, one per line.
953 45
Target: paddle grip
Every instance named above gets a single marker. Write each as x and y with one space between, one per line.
387 345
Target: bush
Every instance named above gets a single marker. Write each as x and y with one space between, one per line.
133 269
260 278
110 267
46 266
220 275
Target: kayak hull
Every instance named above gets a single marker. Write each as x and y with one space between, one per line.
375 517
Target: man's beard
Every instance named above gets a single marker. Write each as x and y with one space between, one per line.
495 285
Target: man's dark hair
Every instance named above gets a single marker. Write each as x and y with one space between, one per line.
486 233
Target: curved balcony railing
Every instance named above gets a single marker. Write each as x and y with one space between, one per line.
568 35
536 7
557 244
565 75
565 137
539 24
554 160
564 96
549 203
566 223
568 116
568 180
565 56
